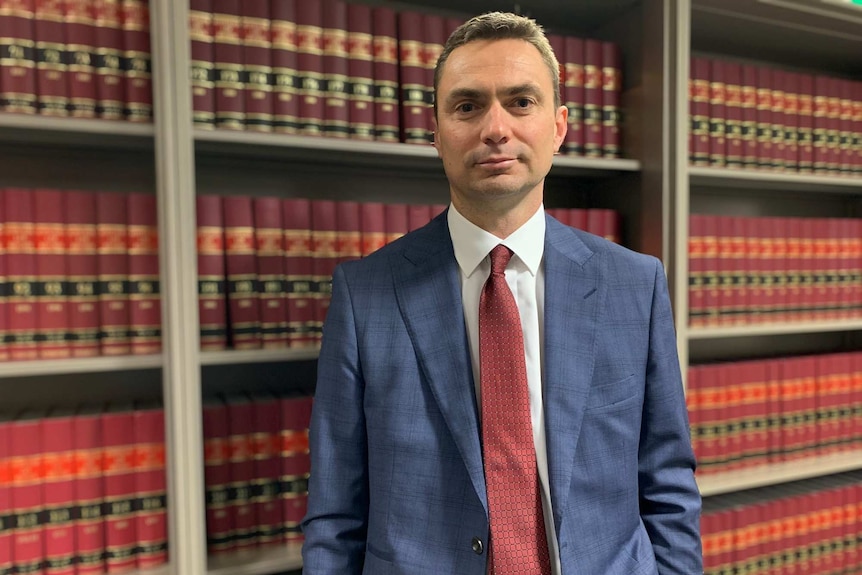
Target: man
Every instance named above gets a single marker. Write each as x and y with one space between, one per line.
420 461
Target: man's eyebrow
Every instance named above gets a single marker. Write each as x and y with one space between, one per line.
464 94
474 94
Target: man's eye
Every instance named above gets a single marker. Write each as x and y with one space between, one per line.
523 102
466 107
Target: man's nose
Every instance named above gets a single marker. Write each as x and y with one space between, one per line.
496 127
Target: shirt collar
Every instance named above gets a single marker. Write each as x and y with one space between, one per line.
472 244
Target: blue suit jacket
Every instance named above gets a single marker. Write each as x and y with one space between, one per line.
397 484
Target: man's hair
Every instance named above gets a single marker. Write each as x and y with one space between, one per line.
501 26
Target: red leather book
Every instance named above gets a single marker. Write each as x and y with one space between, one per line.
696 291
779 268
217 477
227 58
324 238
725 269
212 286
733 114
20 257
112 249
360 71
757 413
309 64
299 271
6 516
137 71
372 219
269 251
792 270
241 270
558 46
411 73
89 494
699 110
821 126
202 64
418 215
118 488
808 405
435 36
573 94
150 505
336 119
110 84
52 86
845 140
80 21
612 85
240 416
82 273
49 244
734 380
295 463
830 370
265 444
833 125
717 114
257 64
26 476
452 23
18 50
145 312
285 77
778 107
834 256
805 122
710 273
577 218
764 117
396 221
807 269
58 491
694 403
712 417
387 123
791 121
749 116
820 300
595 223
593 98
857 128
348 241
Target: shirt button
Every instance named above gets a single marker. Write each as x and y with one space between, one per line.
477 546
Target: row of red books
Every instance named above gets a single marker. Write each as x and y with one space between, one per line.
79 272
750 116
746 270
756 412
79 58
83 491
814 532
334 68
256 470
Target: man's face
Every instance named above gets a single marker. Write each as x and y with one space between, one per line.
497 126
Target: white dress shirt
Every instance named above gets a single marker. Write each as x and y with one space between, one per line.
526 279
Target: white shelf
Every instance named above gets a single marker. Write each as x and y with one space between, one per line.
779 181
76 132
773 329
229 357
258 562
779 473
82 365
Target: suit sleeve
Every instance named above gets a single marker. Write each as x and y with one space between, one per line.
335 526
670 500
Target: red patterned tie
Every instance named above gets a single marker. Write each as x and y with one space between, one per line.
519 545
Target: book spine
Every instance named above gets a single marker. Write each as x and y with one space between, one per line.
309 52
265 443
749 117
821 112
396 221
145 312
227 57
83 273
150 504
269 250
778 120
110 86
18 54
299 271
833 125
217 478
360 72
411 72
295 464
612 72
212 289
764 117
285 76
387 125
372 219
805 130
733 114
592 98
791 121
137 61
336 120
710 273
257 64
58 493
26 474
857 130
89 494
348 241
717 115
241 269
52 310
7 519
80 22
696 306
845 139
573 94
434 38
20 274
112 288
242 510
118 488
52 86
202 63
324 237
699 110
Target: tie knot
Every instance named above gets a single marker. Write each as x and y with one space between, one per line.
500 257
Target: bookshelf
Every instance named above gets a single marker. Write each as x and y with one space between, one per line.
652 186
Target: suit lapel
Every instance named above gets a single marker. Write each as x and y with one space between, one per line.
428 289
572 300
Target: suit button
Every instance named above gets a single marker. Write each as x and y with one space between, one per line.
477 546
